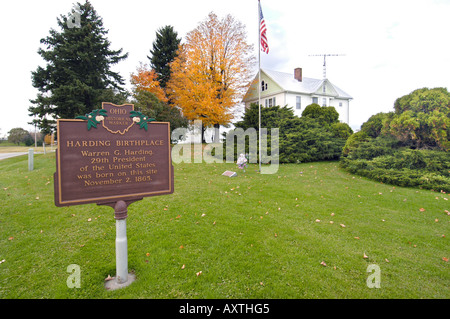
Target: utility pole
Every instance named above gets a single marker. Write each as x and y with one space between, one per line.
325 61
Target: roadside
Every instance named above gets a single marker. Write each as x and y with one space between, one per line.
24 149
8 155
12 151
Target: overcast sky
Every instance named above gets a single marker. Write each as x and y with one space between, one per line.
391 47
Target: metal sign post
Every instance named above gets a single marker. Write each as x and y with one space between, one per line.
122 278
113 156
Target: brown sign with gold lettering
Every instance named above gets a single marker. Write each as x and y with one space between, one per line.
112 154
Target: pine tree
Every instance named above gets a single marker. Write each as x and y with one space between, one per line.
78 75
164 52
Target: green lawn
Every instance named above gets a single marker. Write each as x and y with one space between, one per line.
252 236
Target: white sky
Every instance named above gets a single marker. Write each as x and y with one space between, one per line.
391 47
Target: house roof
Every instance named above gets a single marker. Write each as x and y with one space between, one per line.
307 85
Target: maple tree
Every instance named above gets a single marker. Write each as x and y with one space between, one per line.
146 80
212 71
150 98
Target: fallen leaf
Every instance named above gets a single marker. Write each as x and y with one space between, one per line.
342 225
37 197
179 216
182 267
387 260
331 222
317 220
356 237
11 238
332 214
422 209
181 247
147 254
199 273
436 220
2 261
203 215
89 219
445 259
108 278
323 264
365 256
276 235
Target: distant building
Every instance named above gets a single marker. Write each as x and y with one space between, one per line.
297 92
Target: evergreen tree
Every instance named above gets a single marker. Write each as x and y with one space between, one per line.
164 52
78 76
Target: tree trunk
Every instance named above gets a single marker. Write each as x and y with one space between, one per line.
203 128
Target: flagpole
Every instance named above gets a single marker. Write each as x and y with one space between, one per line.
259 81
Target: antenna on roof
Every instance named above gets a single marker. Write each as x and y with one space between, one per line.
325 62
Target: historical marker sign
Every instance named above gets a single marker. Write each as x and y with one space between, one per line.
112 154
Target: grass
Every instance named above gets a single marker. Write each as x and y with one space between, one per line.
252 236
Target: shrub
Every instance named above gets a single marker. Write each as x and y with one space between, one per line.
404 167
316 136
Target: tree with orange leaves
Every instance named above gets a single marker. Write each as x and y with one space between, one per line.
212 71
146 80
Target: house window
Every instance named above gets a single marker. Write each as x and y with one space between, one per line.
298 102
324 89
315 100
263 86
270 102
340 104
324 101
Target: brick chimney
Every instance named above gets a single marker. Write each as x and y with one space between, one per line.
298 74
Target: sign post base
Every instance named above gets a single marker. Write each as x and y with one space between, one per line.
113 284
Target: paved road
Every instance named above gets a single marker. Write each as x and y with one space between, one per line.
8 155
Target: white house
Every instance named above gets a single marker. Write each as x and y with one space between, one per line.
297 92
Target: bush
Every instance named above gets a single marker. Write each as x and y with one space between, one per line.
373 148
316 136
405 167
354 141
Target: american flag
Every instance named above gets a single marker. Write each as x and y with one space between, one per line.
262 31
